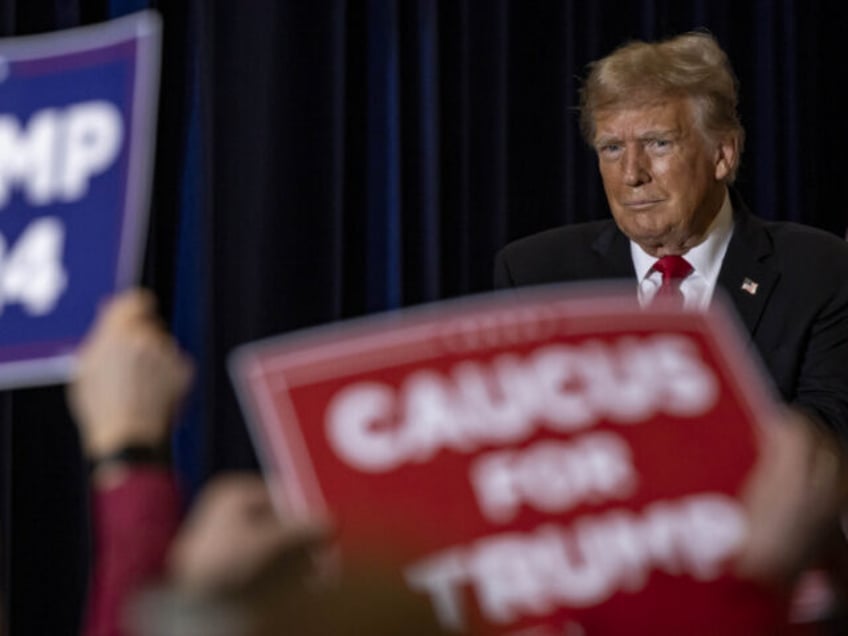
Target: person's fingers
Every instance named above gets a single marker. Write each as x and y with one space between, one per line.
128 306
233 535
130 377
793 497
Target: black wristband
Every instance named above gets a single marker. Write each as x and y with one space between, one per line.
134 455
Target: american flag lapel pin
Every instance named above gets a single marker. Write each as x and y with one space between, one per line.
749 286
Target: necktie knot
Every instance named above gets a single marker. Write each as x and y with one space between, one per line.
674 269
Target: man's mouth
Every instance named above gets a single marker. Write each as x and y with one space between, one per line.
642 204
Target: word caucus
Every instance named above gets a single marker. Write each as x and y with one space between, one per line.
375 427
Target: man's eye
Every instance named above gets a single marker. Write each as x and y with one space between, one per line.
609 149
660 144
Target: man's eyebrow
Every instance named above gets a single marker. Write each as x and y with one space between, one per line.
602 140
660 132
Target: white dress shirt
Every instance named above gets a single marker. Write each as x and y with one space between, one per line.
705 259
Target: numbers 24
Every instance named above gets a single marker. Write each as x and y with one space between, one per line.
31 271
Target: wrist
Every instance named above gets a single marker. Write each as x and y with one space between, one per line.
130 456
110 434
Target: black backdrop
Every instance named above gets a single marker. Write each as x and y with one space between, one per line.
321 160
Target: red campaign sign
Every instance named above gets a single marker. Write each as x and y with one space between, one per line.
534 461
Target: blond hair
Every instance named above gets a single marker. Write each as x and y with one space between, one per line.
688 65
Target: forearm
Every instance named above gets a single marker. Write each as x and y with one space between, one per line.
135 514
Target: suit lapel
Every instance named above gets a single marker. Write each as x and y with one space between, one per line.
613 247
746 274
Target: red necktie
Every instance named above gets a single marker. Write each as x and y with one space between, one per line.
673 269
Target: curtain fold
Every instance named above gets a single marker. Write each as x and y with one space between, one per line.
384 271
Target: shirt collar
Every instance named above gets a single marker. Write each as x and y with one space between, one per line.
706 257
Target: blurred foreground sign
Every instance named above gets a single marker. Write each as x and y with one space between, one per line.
77 118
532 461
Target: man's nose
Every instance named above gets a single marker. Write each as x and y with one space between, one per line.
635 165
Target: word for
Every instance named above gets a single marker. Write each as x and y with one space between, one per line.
517 575
553 476
31 271
375 427
55 156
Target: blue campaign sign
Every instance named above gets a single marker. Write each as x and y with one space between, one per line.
77 122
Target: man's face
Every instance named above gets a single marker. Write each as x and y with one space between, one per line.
663 180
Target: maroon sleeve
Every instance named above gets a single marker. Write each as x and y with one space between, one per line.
133 524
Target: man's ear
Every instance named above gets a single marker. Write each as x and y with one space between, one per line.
726 157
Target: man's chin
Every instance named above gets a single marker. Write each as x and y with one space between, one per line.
655 242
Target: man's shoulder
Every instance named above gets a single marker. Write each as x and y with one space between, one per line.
577 235
806 245
569 252
804 234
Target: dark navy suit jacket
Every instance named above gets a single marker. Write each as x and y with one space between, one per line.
797 319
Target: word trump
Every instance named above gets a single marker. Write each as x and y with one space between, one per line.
53 158
375 427
515 575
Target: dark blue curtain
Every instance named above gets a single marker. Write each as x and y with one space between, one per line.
382 151
323 160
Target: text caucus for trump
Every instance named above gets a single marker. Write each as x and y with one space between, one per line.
526 460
